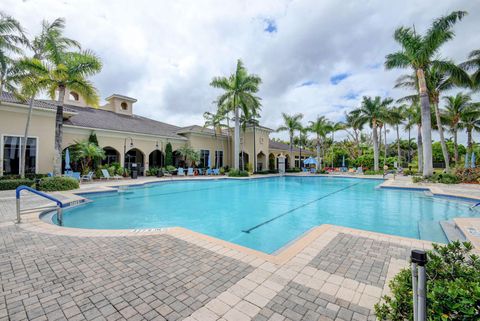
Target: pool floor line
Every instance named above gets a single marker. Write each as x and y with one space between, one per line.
298 207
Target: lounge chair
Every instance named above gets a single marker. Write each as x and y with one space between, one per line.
216 171
106 175
190 171
180 172
313 170
209 172
200 171
87 177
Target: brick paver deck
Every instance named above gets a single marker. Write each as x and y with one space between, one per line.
336 274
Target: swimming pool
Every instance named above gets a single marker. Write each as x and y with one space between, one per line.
266 214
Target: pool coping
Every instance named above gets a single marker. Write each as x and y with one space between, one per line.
34 222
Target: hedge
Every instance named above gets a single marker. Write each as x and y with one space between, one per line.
51 184
237 173
9 184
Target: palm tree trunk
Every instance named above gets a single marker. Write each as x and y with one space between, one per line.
469 140
333 140
446 157
236 148
399 154
57 160
419 148
375 146
228 140
25 137
318 153
385 146
455 144
292 160
426 124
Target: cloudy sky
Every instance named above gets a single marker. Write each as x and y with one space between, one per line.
317 57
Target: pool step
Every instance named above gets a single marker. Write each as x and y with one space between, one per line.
452 232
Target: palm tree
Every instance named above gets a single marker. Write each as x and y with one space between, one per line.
335 127
291 123
11 36
473 62
68 70
372 112
86 152
414 119
352 122
189 153
31 69
455 107
240 89
419 52
470 121
396 116
301 141
320 127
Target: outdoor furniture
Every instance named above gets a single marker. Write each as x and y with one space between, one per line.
200 171
313 170
106 175
180 172
190 171
87 177
75 175
216 171
209 172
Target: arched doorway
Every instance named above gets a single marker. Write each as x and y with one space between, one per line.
261 162
243 160
111 156
272 163
156 159
135 156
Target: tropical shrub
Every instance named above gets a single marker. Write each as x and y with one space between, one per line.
264 172
321 171
453 287
170 168
237 173
468 175
51 184
372 172
443 178
152 171
293 170
9 184
168 155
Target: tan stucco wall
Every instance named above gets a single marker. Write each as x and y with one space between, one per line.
42 126
209 142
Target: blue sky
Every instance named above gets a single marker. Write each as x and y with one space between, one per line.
312 57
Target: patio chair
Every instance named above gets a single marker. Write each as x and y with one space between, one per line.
313 170
190 171
87 177
180 172
200 171
106 175
209 172
216 171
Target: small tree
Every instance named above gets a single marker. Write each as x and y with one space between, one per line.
85 152
93 138
168 155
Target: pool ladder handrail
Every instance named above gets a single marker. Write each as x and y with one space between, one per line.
59 204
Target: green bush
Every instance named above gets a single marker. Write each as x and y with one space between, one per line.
409 172
170 168
444 178
27 176
51 184
237 173
453 287
293 170
264 172
372 172
8 184
321 171
152 171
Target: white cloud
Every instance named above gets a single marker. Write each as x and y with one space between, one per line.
165 53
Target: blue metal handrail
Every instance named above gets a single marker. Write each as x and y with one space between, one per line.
49 197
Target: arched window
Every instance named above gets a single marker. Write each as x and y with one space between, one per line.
73 96
124 105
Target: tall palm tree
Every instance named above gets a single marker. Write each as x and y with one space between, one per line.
352 122
11 39
69 70
414 119
419 52
396 116
335 127
473 62
371 112
214 120
320 127
455 107
240 89
470 121
31 69
291 124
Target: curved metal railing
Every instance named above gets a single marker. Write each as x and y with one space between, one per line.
44 195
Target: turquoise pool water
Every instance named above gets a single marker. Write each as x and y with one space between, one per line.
266 214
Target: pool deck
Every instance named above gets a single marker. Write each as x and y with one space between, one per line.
54 273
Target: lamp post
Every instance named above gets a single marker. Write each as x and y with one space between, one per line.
125 152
